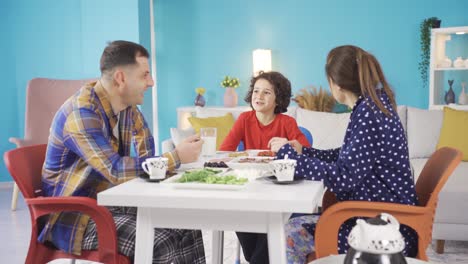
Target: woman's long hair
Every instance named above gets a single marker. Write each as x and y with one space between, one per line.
359 72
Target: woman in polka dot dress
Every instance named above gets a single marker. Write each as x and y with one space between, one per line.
371 165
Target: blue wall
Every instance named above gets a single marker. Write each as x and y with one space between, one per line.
9 102
199 41
54 39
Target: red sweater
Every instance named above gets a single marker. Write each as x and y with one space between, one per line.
256 136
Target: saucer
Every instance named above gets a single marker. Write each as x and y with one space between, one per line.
146 177
154 180
274 180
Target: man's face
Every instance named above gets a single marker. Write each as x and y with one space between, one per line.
137 80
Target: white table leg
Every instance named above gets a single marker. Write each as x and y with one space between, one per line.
238 249
217 247
144 236
276 239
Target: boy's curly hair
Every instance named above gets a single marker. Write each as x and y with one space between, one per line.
281 85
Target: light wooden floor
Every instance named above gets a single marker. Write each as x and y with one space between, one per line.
15 230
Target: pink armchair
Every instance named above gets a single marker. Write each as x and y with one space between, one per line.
43 99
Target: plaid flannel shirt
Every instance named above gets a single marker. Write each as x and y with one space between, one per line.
84 157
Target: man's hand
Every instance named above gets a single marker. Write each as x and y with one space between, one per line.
276 143
189 149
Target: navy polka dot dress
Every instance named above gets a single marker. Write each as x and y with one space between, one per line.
371 165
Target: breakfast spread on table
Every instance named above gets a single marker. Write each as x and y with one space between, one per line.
227 171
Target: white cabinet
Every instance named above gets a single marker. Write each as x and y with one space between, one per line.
445 42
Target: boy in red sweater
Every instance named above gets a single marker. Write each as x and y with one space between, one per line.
263 128
269 96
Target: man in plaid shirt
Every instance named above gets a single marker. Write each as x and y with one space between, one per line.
89 151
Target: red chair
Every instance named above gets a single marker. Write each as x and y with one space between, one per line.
420 218
25 166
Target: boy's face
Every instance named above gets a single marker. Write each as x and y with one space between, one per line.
263 97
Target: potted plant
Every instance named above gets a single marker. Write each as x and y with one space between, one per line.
230 82
315 100
230 96
425 31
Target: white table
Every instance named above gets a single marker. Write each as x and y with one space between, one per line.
338 259
261 207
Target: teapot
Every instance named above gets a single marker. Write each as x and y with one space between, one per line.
376 240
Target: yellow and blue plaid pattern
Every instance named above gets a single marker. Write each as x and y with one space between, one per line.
84 157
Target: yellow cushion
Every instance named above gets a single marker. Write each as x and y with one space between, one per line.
222 123
454 131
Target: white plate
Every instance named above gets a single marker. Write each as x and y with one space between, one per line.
237 163
172 182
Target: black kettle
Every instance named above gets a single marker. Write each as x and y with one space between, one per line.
376 240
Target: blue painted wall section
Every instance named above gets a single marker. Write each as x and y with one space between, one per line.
201 41
8 106
54 39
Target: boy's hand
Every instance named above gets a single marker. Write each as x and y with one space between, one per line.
276 143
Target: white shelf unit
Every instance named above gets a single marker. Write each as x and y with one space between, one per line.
437 87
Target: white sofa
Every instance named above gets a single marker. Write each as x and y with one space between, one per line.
422 128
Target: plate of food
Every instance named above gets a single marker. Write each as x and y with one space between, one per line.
266 153
207 178
251 163
236 154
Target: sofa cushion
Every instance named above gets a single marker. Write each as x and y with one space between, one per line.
454 132
453 199
423 129
401 110
223 125
327 129
202 112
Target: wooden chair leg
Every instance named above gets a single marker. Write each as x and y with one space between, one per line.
14 197
440 246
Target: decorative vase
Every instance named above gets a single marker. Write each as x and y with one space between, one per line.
230 97
463 97
458 63
450 95
200 100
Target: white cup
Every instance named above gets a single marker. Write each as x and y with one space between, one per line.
208 134
284 169
155 167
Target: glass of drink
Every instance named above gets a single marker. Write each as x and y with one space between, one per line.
208 134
